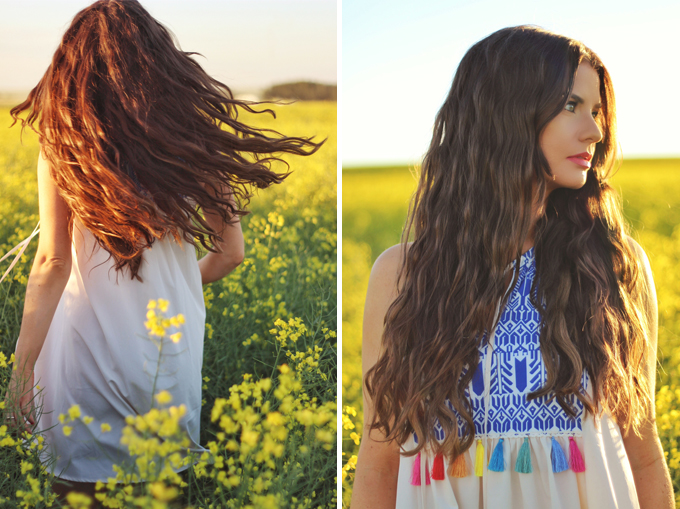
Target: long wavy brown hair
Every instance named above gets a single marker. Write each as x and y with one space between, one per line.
137 135
469 218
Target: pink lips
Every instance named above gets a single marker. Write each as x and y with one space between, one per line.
582 159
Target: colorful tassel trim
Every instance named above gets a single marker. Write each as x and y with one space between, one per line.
479 461
558 459
438 472
415 475
523 463
459 467
575 459
497 463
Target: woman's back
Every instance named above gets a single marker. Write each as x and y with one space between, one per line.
98 353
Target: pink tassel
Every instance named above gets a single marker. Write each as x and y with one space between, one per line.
415 474
575 459
438 473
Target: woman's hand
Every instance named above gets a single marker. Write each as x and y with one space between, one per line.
19 407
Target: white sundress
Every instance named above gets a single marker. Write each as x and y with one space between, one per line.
97 353
511 367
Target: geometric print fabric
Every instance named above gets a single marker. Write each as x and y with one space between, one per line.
517 369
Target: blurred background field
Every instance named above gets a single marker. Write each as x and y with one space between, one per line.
277 448
374 207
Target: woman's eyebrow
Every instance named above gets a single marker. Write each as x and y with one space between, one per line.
579 100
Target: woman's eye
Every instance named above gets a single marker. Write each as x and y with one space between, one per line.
596 114
571 106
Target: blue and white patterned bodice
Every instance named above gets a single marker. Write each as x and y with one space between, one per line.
511 363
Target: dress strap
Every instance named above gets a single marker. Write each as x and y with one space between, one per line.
21 246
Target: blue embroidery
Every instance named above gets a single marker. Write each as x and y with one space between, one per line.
516 370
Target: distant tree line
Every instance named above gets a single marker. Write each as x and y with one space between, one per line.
302 91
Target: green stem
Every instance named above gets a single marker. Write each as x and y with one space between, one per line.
155 378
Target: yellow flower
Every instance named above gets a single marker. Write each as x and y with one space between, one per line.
74 412
163 305
105 427
163 397
151 304
176 337
87 419
78 500
67 430
162 492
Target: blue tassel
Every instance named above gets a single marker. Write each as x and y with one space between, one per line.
497 463
559 460
523 463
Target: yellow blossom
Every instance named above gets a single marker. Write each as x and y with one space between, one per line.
163 305
67 430
162 492
163 397
74 412
77 500
105 427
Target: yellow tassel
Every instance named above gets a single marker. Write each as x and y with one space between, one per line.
479 462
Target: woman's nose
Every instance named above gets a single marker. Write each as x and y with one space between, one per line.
591 131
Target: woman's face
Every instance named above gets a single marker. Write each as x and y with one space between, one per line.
568 141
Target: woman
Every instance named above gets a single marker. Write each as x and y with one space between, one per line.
137 140
509 349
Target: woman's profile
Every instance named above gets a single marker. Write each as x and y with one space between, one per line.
143 156
509 341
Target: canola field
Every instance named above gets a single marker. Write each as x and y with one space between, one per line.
374 207
269 393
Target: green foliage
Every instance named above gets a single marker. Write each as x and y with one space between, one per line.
374 207
269 405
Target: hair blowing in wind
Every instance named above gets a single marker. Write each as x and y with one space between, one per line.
134 128
470 215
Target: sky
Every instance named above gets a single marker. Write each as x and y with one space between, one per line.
399 58
247 44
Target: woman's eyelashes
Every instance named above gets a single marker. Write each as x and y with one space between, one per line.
571 106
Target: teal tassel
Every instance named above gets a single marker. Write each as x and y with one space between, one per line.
559 460
497 463
523 463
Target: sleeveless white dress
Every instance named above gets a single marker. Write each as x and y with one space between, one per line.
511 367
97 353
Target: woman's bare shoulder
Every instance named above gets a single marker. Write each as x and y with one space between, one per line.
386 267
382 291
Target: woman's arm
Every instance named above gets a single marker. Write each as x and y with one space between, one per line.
214 266
652 479
375 480
46 282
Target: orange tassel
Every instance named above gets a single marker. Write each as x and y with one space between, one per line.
459 467
438 473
